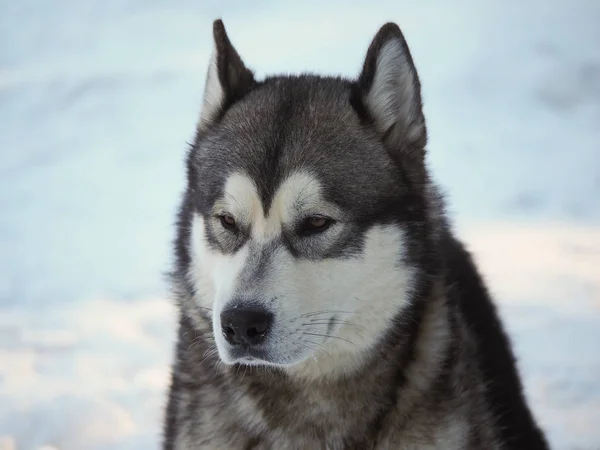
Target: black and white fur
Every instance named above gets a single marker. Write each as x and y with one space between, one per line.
310 211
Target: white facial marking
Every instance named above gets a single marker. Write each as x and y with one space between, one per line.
370 290
300 191
332 308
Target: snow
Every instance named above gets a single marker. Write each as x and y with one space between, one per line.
98 99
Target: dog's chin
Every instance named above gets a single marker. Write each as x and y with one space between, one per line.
264 358
249 361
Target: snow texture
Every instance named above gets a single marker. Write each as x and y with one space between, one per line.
98 99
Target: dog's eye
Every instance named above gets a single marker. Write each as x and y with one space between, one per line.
315 224
228 222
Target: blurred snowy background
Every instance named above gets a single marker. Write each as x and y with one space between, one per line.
98 99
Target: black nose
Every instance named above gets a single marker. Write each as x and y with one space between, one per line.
246 326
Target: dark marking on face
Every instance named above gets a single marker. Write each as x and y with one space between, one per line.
330 325
289 124
259 263
311 127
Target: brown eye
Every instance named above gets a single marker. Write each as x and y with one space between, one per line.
228 221
315 224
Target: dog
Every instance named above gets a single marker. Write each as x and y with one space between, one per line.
324 300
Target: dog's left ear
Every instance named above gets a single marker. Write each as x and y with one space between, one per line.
390 92
227 80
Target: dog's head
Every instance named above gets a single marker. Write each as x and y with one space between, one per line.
304 223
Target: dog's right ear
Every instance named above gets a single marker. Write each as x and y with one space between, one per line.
227 79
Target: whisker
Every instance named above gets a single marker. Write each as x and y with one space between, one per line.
209 353
211 349
306 197
232 198
327 322
325 312
196 341
357 328
330 336
316 350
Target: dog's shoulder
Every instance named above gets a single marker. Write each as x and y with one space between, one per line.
493 352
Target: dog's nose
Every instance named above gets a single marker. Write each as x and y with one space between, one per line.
245 326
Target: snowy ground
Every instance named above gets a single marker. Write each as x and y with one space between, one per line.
97 100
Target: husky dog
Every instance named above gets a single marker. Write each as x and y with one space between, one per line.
324 302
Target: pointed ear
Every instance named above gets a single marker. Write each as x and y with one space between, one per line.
390 92
227 79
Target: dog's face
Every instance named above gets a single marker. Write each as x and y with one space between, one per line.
305 196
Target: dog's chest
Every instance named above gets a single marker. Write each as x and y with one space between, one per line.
312 423
244 422
307 419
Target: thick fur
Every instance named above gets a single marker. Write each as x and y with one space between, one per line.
383 333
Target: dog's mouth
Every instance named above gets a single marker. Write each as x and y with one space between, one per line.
249 355
250 335
261 355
